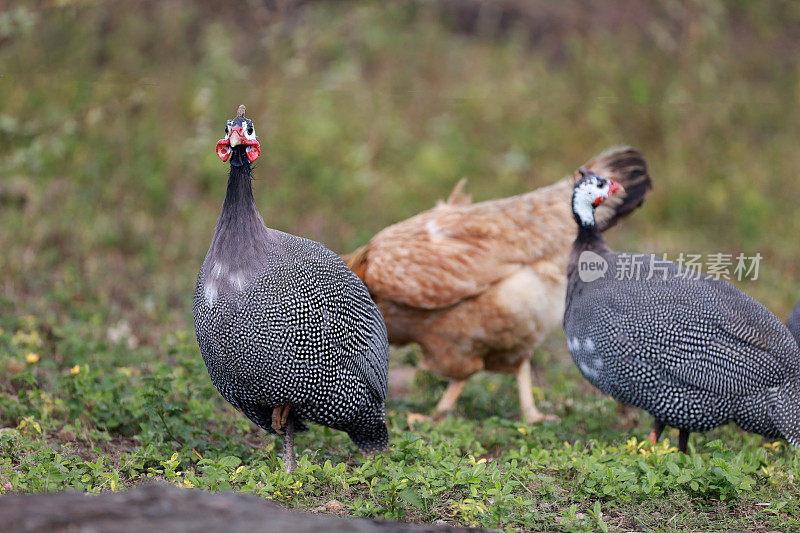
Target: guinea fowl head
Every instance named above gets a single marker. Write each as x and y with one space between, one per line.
589 192
240 140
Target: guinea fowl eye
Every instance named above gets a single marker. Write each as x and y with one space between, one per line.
250 130
227 130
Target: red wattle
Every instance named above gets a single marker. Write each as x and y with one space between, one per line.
253 150
224 149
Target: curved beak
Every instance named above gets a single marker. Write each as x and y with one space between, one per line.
236 136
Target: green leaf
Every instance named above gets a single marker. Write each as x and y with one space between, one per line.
410 496
230 461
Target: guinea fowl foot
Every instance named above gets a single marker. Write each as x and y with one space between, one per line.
279 417
289 463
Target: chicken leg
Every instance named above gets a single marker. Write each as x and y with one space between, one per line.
448 400
530 413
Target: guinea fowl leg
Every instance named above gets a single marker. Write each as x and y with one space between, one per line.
530 413
284 425
448 400
683 440
655 433
288 448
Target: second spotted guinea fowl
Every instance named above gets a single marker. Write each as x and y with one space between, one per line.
693 351
793 322
478 286
288 333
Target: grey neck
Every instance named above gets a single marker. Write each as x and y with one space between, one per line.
239 211
241 241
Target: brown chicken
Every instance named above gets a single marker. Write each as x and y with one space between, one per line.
479 286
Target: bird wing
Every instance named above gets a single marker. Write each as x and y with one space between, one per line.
456 251
356 325
323 312
702 332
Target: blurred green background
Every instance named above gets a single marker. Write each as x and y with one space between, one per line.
367 112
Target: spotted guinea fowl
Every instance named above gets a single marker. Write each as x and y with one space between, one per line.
288 333
793 322
693 351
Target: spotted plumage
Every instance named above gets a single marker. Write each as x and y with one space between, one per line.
793 322
693 351
282 322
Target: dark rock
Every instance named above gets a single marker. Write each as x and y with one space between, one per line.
167 509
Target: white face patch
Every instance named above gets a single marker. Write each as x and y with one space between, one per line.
584 198
248 127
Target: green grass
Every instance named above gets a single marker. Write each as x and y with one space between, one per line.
101 425
110 188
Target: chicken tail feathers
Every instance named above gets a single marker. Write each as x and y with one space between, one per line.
357 261
626 166
457 195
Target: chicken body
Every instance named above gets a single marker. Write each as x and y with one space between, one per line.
479 286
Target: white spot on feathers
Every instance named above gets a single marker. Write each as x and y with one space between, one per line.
574 344
210 292
588 345
237 280
587 371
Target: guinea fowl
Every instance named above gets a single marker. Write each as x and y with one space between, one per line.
793 322
288 333
478 286
693 351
